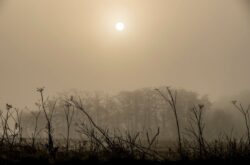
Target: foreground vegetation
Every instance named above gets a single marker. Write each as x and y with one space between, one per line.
99 144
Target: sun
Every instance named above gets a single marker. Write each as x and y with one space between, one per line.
119 26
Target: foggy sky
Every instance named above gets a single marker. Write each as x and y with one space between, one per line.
200 45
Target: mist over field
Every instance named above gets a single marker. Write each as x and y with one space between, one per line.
144 110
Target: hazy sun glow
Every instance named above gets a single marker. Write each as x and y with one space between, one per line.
119 26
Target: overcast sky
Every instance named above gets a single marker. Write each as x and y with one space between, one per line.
200 45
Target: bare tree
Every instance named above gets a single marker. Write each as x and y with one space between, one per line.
245 113
171 99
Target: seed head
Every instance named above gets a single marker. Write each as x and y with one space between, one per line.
234 102
8 106
40 89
